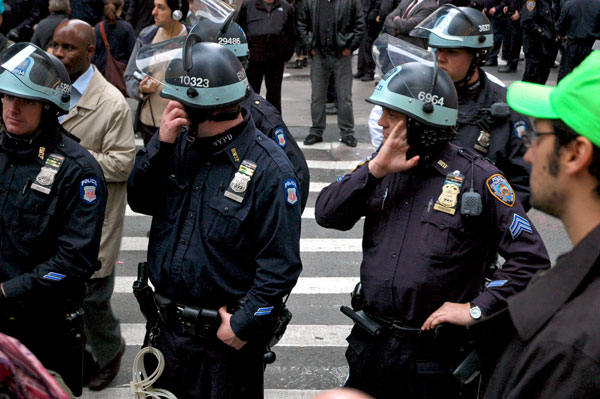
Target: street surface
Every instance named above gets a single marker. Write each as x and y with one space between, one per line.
310 357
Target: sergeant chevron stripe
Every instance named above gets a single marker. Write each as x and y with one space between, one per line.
519 224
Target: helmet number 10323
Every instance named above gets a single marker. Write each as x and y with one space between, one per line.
194 81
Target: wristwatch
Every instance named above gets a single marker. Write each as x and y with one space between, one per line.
475 312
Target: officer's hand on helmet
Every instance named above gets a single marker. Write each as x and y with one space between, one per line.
148 86
225 333
392 154
173 118
449 312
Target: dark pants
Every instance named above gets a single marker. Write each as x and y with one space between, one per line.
390 367
514 41
575 53
365 63
273 74
499 28
207 368
538 59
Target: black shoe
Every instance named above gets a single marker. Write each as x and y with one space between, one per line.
297 65
312 139
330 109
305 62
349 140
506 69
358 75
491 62
367 78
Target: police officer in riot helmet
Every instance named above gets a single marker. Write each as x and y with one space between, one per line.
462 37
433 211
53 194
225 232
266 117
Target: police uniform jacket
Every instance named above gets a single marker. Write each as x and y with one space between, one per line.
415 257
502 144
537 22
102 121
48 240
207 250
580 20
269 27
268 120
556 350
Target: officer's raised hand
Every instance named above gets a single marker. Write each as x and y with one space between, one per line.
225 333
391 157
173 118
449 312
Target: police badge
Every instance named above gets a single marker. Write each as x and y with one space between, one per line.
239 184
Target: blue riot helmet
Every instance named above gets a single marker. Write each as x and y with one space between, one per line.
207 76
29 72
231 36
458 27
427 96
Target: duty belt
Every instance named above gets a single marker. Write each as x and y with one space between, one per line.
193 320
396 327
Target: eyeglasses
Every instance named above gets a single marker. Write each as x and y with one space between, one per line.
529 137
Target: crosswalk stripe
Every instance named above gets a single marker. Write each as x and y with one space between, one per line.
304 335
306 244
305 285
309 213
124 392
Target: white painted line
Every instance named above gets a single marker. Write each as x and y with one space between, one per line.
295 335
306 244
305 285
333 165
124 392
317 187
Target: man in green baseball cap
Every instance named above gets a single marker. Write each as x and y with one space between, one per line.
555 345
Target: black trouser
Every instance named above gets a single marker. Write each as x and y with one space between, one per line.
365 63
575 52
393 367
538 59
513 40
206 368
272 71
499 28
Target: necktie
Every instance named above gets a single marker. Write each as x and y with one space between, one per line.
409 9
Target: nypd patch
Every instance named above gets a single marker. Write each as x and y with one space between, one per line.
500 189
88 190
519 224
530 5
519 128
279 134
290 188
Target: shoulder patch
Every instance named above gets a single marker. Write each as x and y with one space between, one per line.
520 127
279 135
501 189
88 190
290 188
361 163
530 5
518 225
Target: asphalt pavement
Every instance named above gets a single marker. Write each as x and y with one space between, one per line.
310 357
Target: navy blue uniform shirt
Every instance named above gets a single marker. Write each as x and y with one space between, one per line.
48 241
208 250
415 257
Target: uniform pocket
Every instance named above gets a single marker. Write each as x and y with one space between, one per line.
228 225
440 234
34 215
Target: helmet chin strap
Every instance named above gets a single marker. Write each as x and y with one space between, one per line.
470 73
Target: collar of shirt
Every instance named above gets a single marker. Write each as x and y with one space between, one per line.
549 290
79 87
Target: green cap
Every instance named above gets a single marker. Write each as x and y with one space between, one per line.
575 100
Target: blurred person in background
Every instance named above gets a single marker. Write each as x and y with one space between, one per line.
120 35
59 11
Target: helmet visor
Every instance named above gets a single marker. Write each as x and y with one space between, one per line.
214 10
389 52
27 71
448 23
152 60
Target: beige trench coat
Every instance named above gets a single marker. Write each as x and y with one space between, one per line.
102 120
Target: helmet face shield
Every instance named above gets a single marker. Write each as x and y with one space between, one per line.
214 10
453 27
389 52
29 72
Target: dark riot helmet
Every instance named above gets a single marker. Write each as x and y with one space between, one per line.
206 77
230 35
29 72
420 91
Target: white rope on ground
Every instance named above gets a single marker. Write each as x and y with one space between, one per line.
141 386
